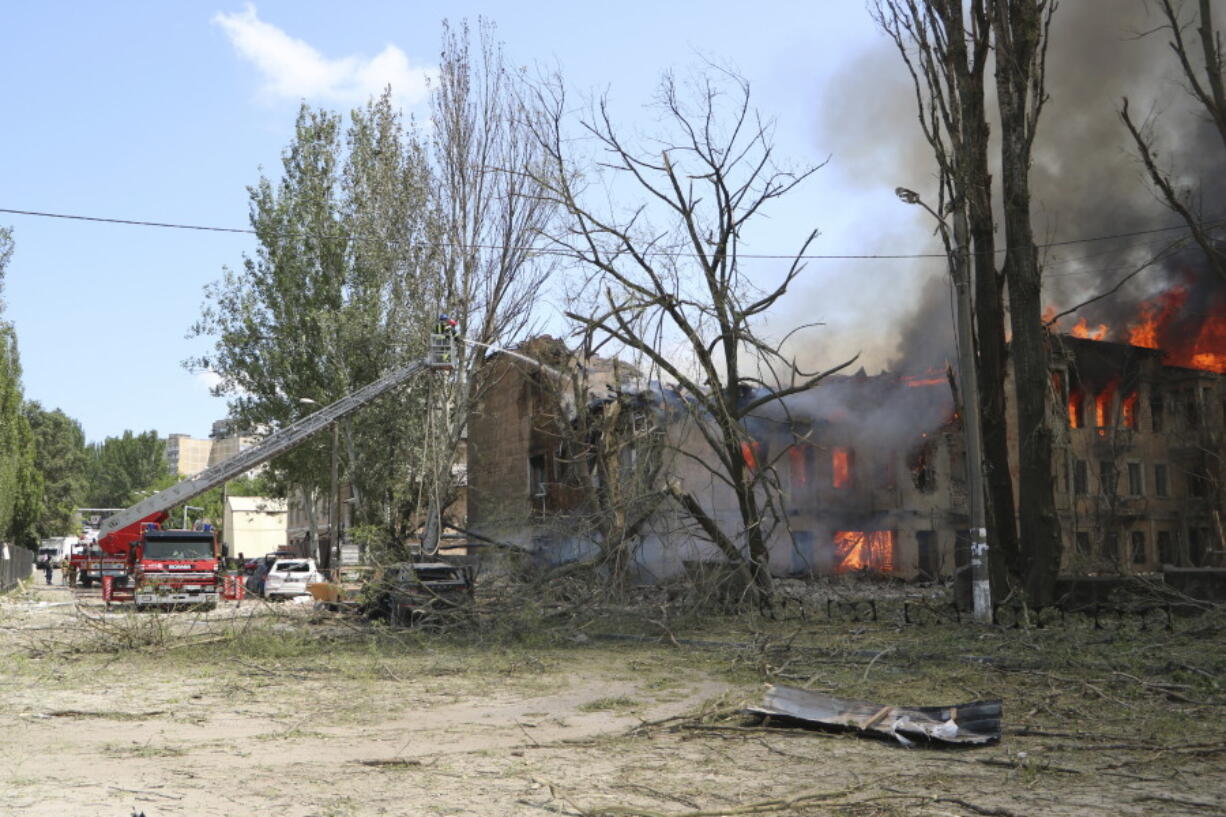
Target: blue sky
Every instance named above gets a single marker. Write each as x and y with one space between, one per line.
166 112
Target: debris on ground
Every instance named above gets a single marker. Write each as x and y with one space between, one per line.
977 722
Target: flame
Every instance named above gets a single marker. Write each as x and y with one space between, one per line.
841 462
864 550
1102 405
931 381
1209 349
1081 330
1128 407
1161 323
750 450
1075 404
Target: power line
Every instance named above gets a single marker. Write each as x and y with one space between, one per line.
556 251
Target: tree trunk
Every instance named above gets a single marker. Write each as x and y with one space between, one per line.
1020 27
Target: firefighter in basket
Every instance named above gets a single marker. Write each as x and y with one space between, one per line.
443 340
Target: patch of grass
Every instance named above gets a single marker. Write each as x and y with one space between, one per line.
143 750
610 703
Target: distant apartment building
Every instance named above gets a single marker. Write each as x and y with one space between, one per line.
228 441
187 456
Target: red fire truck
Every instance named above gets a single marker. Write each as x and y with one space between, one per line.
136 560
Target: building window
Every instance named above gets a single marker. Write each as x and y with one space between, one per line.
841 461
1166 548
1081 478
1135 488
1160 486
1139 556
1192 410
536 476
1076 408
1198 484
1111 548
1196 547
1155 412
1128 410
1107 477
1081 541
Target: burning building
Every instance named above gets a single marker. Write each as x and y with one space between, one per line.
868 470
1141 408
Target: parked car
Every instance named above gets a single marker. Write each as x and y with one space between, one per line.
287 578
257 569
417 593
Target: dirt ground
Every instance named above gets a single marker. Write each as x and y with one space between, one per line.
256 709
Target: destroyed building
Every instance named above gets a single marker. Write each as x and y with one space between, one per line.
869 468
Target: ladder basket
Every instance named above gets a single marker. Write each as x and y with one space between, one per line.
442 352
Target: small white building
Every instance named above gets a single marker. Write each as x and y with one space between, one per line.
255 525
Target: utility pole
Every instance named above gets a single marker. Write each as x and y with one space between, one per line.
972 428
335 503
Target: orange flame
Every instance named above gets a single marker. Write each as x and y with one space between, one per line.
1081 330
1075 404
1128 407
1102 405
1209 349
864 550
841 462
749 450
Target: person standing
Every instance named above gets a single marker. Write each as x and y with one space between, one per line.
48 566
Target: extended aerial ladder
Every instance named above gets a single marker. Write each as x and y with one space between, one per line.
120 529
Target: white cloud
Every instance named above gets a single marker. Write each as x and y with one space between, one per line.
294 69
207 378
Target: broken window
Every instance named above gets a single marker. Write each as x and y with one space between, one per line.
1166 548
1134 479
536 476
1196 546
1139 556
1155 412
1198 484
751 451
1111 548
1081 541
1160 486
864 550
1128 408
841 462
1081 478
1076 408
920 462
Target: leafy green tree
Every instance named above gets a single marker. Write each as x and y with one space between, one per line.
121 470
20 484
331 301
59 457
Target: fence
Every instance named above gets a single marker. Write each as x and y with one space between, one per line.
16 564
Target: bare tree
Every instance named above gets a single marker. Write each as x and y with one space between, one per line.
677 294
492 214
945 46
1200 63
1020 28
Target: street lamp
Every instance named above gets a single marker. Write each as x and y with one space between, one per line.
981 589
187 508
